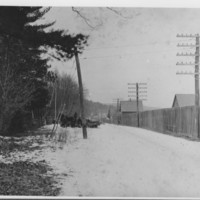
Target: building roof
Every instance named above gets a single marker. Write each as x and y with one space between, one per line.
182 100
130 106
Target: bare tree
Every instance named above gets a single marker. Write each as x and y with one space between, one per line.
67 93
95 22
119 12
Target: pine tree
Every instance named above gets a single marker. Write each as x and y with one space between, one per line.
23 72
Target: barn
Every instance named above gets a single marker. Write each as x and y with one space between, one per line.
182 100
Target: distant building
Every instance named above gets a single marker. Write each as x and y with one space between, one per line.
128 111
181 100
130 106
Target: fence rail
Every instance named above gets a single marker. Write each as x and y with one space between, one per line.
178 121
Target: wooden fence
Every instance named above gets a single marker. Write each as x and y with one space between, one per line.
178 121
129 119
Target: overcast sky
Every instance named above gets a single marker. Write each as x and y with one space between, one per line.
139 46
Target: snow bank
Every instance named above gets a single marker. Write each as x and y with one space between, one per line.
119 161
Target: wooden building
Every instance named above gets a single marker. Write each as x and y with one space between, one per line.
182 100
128 111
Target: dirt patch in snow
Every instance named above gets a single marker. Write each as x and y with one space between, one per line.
27 178
23 168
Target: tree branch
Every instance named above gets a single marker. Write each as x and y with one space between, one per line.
87 21
118 13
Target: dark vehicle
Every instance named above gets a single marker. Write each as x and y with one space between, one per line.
92 124
70 121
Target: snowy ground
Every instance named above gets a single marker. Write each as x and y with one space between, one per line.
120 161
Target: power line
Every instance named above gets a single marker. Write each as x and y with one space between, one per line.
128 54
138 89
195 73
133 45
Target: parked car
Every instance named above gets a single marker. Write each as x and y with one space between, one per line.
92 123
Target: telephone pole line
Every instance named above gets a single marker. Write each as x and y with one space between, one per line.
118 101
196 72
137 94
81 96
138 89
55 112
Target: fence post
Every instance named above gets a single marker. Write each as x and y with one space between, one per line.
196 122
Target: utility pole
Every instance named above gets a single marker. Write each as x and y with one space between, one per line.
117 101
55 101
118 109
196 73
137 99
138 90
81 96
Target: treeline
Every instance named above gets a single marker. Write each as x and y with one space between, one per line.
25 80
96 109
65 100
64 97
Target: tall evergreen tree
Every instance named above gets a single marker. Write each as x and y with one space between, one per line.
23 72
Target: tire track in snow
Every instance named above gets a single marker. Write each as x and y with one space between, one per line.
115 161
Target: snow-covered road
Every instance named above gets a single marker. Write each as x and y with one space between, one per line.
120 161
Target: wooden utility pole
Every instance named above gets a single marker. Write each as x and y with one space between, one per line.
55 101
195 73
138 89
118 102
137 99
81 96
196 76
